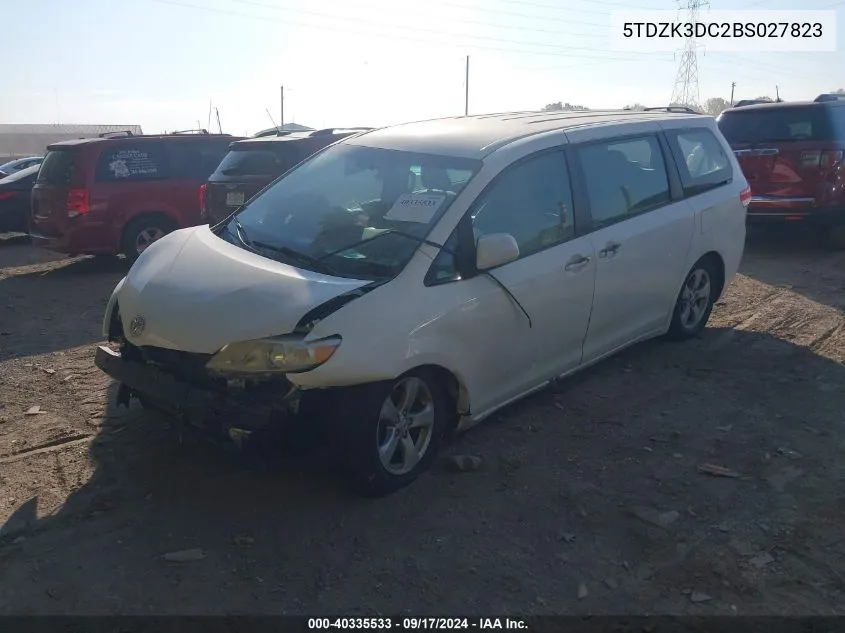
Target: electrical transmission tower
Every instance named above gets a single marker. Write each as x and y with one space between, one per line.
685 91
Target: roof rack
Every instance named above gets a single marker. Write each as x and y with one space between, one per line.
116 134
683 109
198 131
334 130
833 96
272 132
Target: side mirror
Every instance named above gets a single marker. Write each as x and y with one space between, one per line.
494 250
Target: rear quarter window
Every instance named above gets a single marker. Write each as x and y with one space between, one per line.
196 160
57 168
778 125
132 162
702 161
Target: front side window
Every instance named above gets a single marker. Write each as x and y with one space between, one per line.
532 201
132 163
352 211
702 160
624 178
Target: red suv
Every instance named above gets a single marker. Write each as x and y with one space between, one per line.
120 192
792 156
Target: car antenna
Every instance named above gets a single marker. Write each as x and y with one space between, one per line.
219 127
272 120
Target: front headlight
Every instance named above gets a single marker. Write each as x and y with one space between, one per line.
284 354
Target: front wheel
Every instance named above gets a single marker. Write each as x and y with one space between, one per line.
392 432
695 301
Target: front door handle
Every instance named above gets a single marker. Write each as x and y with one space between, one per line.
609 249
577 263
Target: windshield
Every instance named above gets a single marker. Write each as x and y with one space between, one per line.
263 160
771 125
360 211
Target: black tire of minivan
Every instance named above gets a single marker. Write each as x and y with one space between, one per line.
137 228
679 330
359 431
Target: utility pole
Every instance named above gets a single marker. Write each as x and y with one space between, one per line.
777 95
466 90
282 122
733 85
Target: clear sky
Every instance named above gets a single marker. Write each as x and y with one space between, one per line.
158 63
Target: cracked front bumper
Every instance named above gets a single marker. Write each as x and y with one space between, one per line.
227 411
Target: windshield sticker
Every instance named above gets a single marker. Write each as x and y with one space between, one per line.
415 207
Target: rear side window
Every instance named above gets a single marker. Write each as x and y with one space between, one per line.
701 160
270 159
624 178
777 125
195 160
57 168
132 163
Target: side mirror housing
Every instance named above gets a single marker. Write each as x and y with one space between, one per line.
494 250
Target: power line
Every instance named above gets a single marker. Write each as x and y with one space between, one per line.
559 50
265 5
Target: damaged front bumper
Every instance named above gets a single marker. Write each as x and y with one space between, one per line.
227 409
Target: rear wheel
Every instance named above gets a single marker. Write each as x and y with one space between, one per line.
392 432
695 301
142 232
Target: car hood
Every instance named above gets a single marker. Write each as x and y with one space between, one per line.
196 292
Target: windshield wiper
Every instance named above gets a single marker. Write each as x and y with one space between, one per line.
439 247
296 256
289 253
240 233
366 240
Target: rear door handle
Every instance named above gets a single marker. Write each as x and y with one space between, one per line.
609 249
577 263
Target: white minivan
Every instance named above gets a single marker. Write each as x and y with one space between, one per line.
407 282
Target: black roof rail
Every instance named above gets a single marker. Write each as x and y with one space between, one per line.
198 131
115 134
683 109
334 130
832 96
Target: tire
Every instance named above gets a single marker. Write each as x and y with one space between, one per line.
141 232
689 319
365 427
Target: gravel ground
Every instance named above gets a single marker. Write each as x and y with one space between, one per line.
592 497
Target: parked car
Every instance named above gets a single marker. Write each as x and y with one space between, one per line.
408 282
13 166
791 154
15 192
252 164
121 192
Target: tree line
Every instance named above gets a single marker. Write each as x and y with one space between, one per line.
712 106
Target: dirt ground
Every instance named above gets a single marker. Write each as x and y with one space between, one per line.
590 498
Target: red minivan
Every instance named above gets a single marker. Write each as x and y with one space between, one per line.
121 192
791 154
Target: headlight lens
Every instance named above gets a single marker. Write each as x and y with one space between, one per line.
277 354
